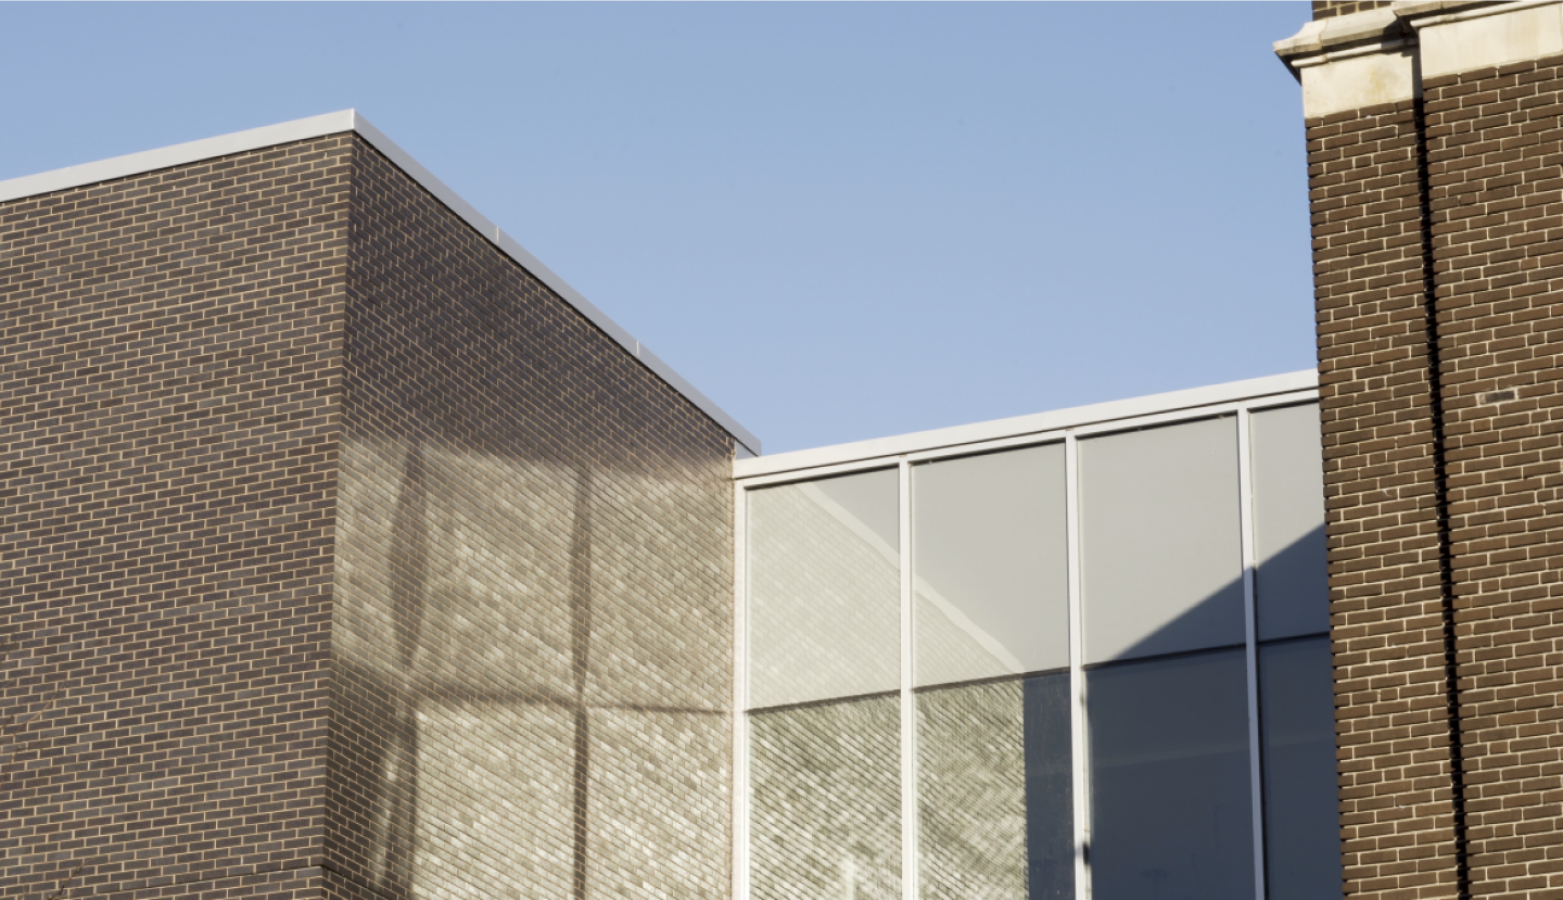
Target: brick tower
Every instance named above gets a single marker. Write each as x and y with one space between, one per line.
1435 154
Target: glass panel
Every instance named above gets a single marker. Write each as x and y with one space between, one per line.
1050 791
990 560
995 795
825 818
1292 587
1162 563
824 589
1297 734
1171 810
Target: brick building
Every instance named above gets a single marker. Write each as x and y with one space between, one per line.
346 551
1436 186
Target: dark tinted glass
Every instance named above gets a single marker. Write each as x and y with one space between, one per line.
1297 729
1050 839
1170 803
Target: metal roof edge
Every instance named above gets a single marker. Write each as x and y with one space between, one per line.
1055 420
351 120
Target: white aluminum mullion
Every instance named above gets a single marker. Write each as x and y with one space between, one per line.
1251 644
908 704
740 858
1077 723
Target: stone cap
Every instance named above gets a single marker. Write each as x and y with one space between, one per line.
1374 29
1375 26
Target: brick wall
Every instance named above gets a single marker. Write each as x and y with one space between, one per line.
532 641
168 419
1381 477
1496 177
1324 9
341 558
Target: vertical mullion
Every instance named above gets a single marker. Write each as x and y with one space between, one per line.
1251 644
1077 723
740 857
908 706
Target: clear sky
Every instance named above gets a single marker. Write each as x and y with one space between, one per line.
839 221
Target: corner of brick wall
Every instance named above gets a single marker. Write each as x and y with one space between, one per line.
531 641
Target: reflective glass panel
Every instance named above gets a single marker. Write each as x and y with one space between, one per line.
1171 811
825 811
824 589
1297 736
1288 477
989 555
1162 562
995 794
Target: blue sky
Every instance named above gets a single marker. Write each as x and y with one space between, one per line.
840 221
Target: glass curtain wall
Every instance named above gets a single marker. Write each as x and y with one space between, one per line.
956 769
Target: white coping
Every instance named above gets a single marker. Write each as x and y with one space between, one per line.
1363 79
1057 420
1463 42
351 120
1362 71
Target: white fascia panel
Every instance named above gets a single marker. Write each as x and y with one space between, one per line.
350 120
1057 420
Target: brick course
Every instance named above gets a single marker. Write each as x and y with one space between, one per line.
318 512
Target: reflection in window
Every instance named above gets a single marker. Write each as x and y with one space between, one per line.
1288 477
989 554
1162 564
995 792
1171 812
824 589
1297 737
826 801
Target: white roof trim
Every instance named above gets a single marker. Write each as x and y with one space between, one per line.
350 120
1057 420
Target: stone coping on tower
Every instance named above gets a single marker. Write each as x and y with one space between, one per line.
351 120
1379 56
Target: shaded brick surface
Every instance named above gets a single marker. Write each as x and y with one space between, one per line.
168 421
340 557
1386 596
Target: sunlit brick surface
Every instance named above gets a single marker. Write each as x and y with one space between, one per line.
355 562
